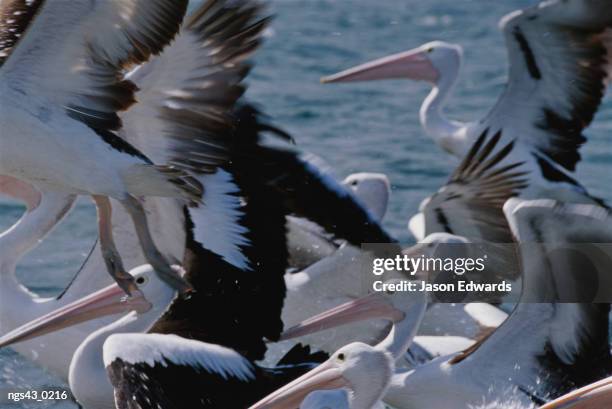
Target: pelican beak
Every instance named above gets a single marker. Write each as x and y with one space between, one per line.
369 307
594 396
108 301
413 64
325 376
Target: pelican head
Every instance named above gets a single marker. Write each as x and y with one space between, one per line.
386 304
152 296
373 189
361 368
430 62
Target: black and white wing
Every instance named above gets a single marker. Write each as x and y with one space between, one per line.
167 371
557 335
87 45
186 93
470 204
235 258
305 189
560 62
170 372
312 194
566 281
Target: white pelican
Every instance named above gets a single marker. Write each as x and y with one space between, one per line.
169 222
218 238
308 243
543 348
61 103
335 288
468 205
363 369
560 62
159 368
548 348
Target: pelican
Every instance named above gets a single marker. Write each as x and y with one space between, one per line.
133 358
469 205
308 243
218 237
169 226
61 105
335 288
220 286
560 62
551 336
363 369
550 345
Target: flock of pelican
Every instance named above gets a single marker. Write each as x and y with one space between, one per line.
233 258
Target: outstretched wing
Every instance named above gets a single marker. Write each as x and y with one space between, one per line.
186 93
470 204
565 339
237 245
305 189
565 282
560 61
73 53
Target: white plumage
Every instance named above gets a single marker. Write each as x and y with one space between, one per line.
221 231
161 349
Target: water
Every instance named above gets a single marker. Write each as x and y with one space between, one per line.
356 127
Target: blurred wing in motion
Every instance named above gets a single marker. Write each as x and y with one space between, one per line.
87 45
186 93
564 266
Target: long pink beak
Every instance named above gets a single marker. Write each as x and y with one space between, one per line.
290 396
108 301
369 307
594 396
413 64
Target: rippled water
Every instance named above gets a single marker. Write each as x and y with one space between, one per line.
357 127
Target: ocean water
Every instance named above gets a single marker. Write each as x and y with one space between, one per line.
356 127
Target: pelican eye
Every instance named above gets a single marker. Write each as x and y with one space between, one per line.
341 357
141 280
429 50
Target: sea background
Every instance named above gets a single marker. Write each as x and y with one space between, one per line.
359 127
